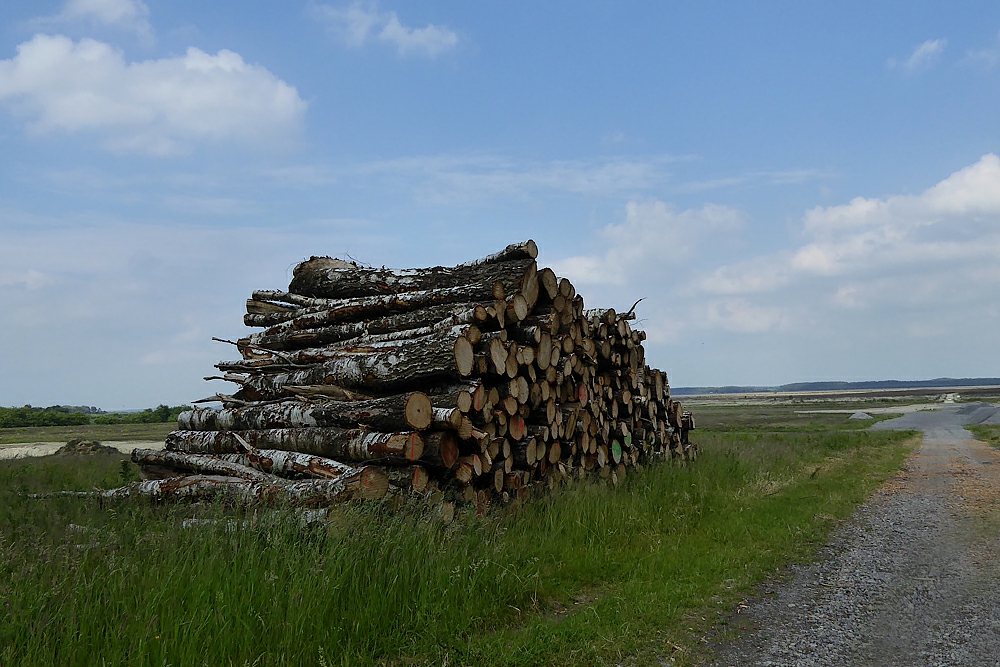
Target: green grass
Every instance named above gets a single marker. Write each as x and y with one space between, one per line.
783 418
989 434
588 575
100 432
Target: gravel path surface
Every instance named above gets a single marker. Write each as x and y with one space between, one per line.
913 579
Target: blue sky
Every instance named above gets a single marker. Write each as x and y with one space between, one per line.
800 190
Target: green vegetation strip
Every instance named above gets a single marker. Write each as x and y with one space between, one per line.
784 418
99 432
589 575
61 415
989 434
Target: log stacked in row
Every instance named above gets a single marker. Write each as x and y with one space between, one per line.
476 382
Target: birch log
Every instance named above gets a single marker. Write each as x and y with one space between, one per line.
310 493
292 464
262 359
402 412
330 442
438 317
313 278
354 309
383 370
197 463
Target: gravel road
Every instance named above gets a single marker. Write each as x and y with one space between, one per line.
913 579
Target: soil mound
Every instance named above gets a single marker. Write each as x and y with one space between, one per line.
78 446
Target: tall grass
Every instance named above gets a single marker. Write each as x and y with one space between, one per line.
988 433
583 576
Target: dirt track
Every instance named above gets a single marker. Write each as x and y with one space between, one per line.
913 579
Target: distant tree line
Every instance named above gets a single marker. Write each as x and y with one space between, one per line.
64 415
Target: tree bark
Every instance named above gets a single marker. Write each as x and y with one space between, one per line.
330 442
440 449
338 284
255 307
434 317
402 412
525 250
312 493
408 478
386 370
197 463
291 464
265 360
352 310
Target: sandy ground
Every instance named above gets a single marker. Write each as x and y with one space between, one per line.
45 448
913 579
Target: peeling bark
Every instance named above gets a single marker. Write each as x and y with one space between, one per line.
434 318
263 359
408 478
393 413
330 442
198 463
316 278
309 493
354 309
408 363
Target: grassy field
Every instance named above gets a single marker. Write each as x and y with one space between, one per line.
779 418
590 575
100 432
987 433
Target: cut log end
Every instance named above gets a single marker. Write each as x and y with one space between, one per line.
465 357
374 483
420 479
531 249
418 410
414 446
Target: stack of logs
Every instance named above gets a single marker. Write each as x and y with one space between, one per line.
472 384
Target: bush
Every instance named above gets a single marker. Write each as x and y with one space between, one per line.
52 416
158 415
58 415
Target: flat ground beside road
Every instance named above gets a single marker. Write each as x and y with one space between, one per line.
590 575
913 579
100 432
45 440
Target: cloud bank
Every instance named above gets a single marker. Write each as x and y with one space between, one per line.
126 15
156 107
916 270
358 24
923 56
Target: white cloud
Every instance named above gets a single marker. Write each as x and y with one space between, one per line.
901 256
31 279
987 57
156 107
922 57
760 274
131 15
741 316
790 177
884 252
652 237
448 179
119 313
894 280
358 23
957 219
